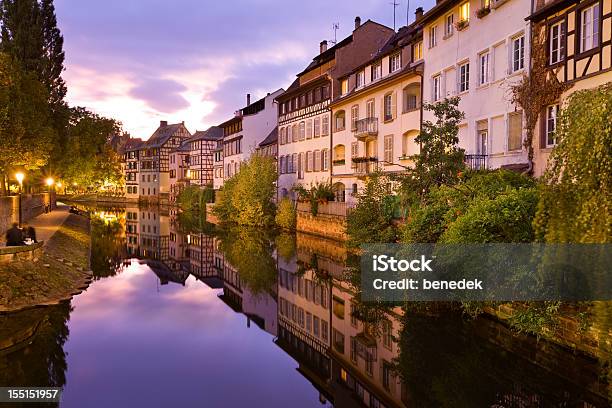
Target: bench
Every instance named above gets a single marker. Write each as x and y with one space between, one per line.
21 253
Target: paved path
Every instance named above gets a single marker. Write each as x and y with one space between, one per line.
47 224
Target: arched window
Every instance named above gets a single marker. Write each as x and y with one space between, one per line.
409 146
411 97
339 152
340 192
339 120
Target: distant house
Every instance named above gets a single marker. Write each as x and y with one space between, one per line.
269 146
201 148
131 172
154 183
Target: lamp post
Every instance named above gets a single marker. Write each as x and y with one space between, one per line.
50 183
19 176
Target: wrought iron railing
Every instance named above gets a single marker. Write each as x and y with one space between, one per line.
476 161
366 127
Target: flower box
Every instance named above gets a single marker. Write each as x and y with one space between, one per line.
481 12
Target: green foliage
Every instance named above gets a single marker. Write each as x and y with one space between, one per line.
286 246
246 197
286 216
319 193
576 201
372 219
505 218
194 199
475 210
440 160
536 317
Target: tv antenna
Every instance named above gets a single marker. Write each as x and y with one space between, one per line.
408 14
394 4
335 27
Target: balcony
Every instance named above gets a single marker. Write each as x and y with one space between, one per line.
366 129
476 161
364 165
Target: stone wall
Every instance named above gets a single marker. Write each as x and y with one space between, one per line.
323 225
32 205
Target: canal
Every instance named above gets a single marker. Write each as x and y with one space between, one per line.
181 314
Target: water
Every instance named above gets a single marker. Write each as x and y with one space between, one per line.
178 317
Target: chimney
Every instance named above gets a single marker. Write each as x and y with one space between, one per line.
323 46
163 123
357 22
418 13
248 99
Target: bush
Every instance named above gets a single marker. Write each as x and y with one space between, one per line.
505 218
286 215
194 198
319 193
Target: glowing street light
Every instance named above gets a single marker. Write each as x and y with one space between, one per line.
59 184
19 176
50 181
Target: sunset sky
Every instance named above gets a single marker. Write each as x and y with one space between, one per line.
141 61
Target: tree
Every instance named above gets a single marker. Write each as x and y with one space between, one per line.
246 198
31 36
440 159
576 200
25 123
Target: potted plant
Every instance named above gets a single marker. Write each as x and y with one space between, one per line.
338 162
483 11
461 24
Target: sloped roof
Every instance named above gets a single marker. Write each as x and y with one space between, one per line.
212 133
272 138
133 144
162 134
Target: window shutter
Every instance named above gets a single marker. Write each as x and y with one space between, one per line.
543 119
394 105
562 41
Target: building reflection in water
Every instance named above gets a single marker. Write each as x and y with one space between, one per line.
293 287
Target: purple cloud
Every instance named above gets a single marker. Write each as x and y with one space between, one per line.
161 94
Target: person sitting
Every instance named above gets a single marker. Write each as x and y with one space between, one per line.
30 232
14 236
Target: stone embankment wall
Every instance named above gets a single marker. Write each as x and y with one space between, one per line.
330 221
32 205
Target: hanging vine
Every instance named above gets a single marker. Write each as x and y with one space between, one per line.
538 88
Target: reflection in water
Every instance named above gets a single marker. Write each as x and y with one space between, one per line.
215 284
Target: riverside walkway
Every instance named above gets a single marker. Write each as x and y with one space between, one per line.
46 224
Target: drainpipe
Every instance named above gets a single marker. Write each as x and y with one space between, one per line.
529 169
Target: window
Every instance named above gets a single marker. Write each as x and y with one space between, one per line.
370 111
448 25
324 159
317 160
309 129
354 116
518 53
388 106
315 326
308 161
324 330
376 70
353 350
317 127
483 77
360 78
281 168
325 125
386 375
589 28
417 51
556 43
340 119
302 130
515 130
344 86
354 153
395 62
433 36
338 341
294 163
464 77
387 334
283 136
388 149
411 97
464 11
437 88
551 124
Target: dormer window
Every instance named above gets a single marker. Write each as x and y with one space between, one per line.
360 78
395 62
376 70
344 86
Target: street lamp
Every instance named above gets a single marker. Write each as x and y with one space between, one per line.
20 176
49 182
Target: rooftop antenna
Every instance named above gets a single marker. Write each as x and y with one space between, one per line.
394 4
335 27
408 14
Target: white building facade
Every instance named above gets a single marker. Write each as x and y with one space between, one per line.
476 49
